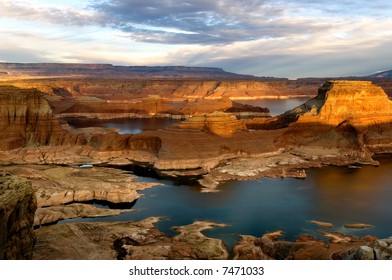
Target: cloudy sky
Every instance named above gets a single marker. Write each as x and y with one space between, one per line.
299 38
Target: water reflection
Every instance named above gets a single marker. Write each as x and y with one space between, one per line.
277 106
125 126
331 194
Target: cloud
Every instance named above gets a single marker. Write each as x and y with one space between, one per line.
58 14
229 21
259 37
21 55
201 21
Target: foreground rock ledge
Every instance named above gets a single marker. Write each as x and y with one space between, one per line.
17 207
126 240
143 241
60 191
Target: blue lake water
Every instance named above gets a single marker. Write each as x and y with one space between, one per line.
125 126
134 126
276 106
331 194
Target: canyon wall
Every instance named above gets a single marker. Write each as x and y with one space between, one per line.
17 207
21 70
170 89
347 122
26 119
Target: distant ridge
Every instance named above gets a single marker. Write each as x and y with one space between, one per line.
383 74
109 70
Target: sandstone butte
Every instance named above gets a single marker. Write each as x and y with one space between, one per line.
347 122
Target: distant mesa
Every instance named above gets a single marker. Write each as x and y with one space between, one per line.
109 70
382 74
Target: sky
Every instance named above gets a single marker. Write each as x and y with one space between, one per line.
292 39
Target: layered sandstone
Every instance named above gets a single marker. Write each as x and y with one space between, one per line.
346 123
26 119
17 208
345 114
61 191
175 90
109 70
217 123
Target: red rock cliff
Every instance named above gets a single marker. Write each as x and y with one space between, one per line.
26 119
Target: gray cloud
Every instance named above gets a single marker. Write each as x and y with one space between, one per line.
355 62
259 37
201 21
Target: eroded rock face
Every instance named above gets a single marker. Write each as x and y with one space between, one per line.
17 208
339 101
269 247
26 119
217 123
349 115
346 123
61 191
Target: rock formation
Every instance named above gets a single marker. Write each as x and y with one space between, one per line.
127 240
143 241
217 123
344 114
17 208
270 247
346 123
108 70
61 191
26 119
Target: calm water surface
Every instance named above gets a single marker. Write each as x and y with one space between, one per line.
134 126
330 194
277 106
126 126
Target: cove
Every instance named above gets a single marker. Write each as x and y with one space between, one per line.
125 126
275 105
136 125
332 194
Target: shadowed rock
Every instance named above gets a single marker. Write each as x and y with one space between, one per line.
17 208
126 240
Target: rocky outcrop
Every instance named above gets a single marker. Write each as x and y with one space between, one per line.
349 115
270 247
26 119
143 241
53 214
61 191
127 240
217 123
17 208
338 101
149 107
345 124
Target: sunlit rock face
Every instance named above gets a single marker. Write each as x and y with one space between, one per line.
344 114
356 101
217 123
